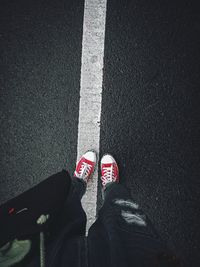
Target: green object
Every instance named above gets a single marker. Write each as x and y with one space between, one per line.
14 252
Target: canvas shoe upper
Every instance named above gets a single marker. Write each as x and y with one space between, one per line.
109 170
85 166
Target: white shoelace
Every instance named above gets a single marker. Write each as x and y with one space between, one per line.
84 170
108 176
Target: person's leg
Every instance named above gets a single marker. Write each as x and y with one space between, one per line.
74 217
79 187
118 202
127 235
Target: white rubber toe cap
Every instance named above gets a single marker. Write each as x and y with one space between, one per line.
90 155
106 159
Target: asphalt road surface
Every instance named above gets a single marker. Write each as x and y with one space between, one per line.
150 118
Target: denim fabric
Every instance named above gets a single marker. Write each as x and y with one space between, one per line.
122 234
79 186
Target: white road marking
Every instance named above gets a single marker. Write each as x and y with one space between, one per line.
91 93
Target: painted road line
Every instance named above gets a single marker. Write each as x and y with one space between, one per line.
91 93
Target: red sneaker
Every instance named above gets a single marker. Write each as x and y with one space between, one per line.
109 170
85 166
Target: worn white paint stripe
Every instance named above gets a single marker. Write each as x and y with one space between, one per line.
91 93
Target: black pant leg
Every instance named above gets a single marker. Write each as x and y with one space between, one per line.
119 203
126 235
79 186
69 240
73 218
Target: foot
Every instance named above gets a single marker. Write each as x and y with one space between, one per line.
85 166
109 170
